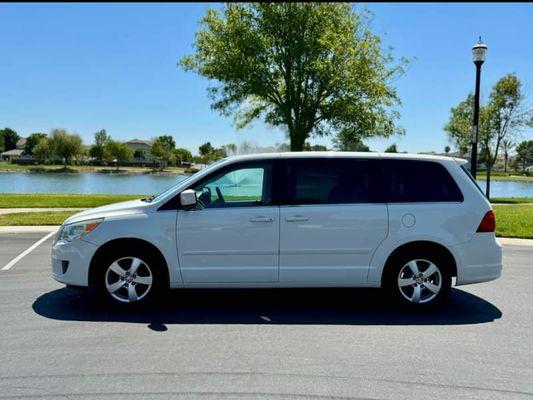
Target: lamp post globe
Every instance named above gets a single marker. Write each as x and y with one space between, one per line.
479 53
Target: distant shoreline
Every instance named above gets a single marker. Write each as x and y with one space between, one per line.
54 169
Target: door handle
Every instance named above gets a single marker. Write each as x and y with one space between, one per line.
261 218
296 218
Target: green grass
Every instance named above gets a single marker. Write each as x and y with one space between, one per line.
510 178
511 200
514 221
35 218
9 200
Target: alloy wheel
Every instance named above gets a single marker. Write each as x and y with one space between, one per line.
128 279
419 281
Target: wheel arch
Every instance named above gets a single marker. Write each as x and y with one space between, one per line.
129 242
420 245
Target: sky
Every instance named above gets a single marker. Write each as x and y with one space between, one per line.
86 67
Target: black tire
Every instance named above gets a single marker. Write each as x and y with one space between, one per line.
428 299
151 265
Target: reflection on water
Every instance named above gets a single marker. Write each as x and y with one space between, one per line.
149 184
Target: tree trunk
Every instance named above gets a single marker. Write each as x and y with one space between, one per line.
505 163
487 190
298 139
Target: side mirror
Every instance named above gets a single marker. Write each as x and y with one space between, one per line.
188 198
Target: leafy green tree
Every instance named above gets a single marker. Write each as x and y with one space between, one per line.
524 154
97 150
205 149
118 151
41 150
346 141
392 149
10 138
447 149
209 154
64 146
1 143
32 141
182 155
315 147
138 154
314 68
163 149
504 117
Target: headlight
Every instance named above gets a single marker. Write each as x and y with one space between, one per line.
78 230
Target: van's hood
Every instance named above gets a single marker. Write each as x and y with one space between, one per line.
111 210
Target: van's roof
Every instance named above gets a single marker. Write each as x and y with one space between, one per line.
346 154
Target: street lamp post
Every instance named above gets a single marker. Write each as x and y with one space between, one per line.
479 52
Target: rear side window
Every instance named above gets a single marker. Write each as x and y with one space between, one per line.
409 181
332 181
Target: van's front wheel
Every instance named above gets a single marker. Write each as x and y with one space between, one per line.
419 281
128 279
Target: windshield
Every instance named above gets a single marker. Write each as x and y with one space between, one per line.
162 194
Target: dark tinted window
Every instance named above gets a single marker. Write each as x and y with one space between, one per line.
331 181
418 181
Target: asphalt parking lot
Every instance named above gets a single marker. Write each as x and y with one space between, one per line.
272 344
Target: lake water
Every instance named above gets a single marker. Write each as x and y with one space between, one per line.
12 182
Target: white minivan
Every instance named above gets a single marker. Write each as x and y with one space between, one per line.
405 223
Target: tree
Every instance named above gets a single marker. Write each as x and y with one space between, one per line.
118 151
209 154
10 138
41 150
63 145
1 142
138 154
447 149
314 68
163 149
391 149
97 150
205 150
182 155
507 146
524 154
345 141
315 147
32 141
503 117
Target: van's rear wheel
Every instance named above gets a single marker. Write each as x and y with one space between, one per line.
128 277
419 281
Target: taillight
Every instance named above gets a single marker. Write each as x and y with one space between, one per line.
488 223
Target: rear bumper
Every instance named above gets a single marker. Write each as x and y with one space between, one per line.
71 260
479 259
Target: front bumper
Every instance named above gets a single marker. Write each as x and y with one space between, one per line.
71 261
479 259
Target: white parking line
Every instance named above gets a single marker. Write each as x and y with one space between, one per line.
10 264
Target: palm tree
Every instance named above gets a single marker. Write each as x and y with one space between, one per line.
507 145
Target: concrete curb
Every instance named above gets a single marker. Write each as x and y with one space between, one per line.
29 229
515 241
